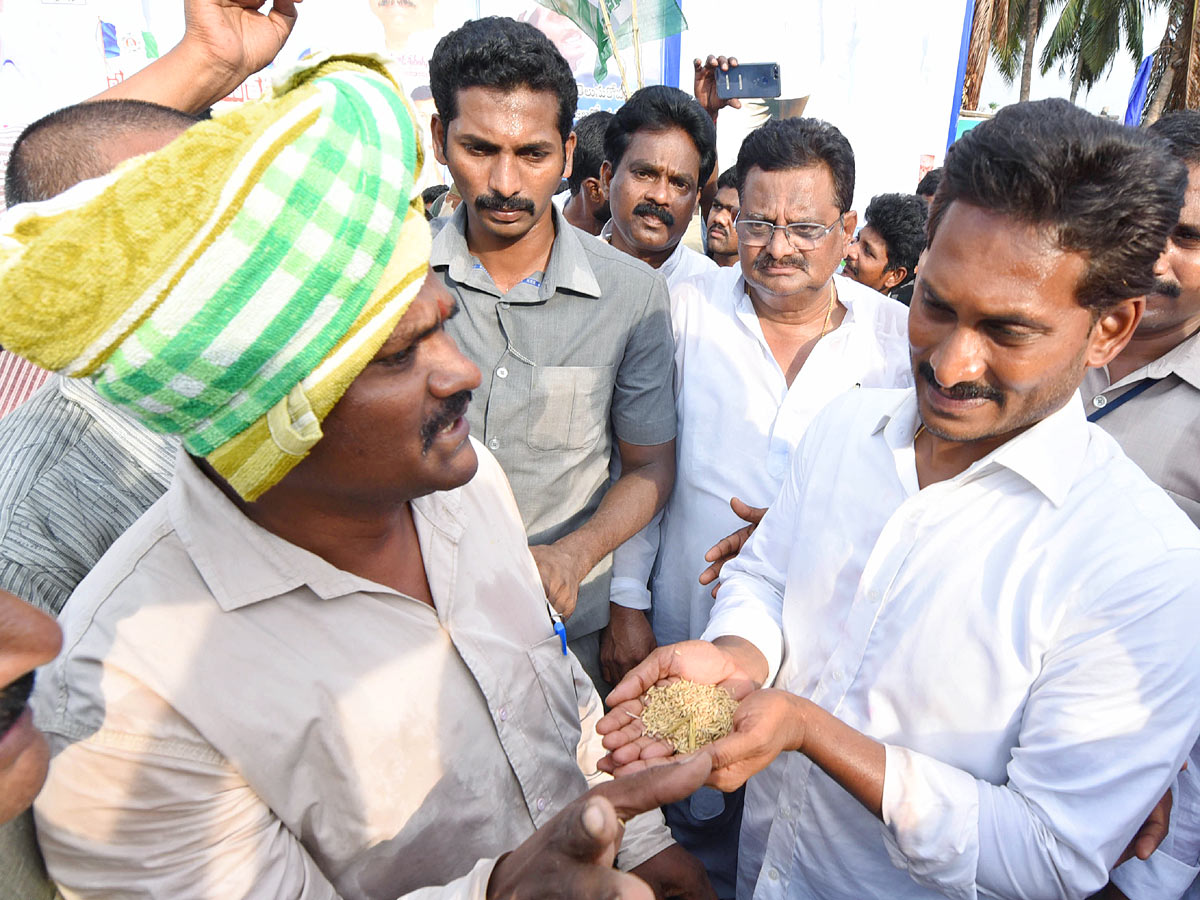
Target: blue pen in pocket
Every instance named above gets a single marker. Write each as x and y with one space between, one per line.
559 628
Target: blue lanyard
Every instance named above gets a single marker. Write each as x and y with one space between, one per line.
1124 398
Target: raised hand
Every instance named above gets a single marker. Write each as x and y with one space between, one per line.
704 85
728 547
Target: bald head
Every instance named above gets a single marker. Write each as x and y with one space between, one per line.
85 141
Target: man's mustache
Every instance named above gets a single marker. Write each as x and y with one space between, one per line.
453 408
498 203
13 700
646 208
1166 288
719 229
765 260
965 390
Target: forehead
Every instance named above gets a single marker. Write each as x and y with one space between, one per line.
997 265
431 303
507 116
804 194
671 149
1190 214
868 235
727 196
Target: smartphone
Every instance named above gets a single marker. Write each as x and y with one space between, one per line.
749 80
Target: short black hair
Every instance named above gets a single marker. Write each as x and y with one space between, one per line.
1180 129
727 179
928 185
429 197
589 148
900 221
796 144
658 108
66 147
498 52
1108 192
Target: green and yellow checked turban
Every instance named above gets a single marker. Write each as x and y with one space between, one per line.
230 287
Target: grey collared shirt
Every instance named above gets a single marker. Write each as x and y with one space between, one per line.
572 358
1160 428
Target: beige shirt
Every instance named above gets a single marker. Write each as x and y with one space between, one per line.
232 716
1158 429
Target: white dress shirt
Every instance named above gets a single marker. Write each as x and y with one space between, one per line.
738 423
1023 638
682 264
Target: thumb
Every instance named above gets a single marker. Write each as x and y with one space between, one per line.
656 786
589 831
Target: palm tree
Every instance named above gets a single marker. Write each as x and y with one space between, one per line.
1009 29
1088 35
1175 76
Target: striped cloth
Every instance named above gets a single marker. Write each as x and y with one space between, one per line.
75 472
18 381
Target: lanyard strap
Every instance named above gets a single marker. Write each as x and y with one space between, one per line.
1124 398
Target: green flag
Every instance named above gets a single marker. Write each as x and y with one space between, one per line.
657 19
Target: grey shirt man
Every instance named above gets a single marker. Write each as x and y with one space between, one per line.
1159 428
573 359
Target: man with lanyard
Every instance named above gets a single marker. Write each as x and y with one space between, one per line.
573 337
1148 398
979 618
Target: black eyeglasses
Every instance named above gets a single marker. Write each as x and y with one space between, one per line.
801 235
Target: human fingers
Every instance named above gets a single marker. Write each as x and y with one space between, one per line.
654 668
746 512
648 790
626 715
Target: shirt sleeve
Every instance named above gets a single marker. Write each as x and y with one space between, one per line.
1175 865
111 817
1106 727
643 404
633 562
646 835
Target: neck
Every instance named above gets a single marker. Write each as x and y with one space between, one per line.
941 460
797 310
723 259
509 262
653 259
575 212
373 540
1145 347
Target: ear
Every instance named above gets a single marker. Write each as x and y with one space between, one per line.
438 132
1112 331
569 155
593 191
893 278
606 174
849 226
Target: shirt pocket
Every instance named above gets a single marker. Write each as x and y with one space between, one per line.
555 676
569 406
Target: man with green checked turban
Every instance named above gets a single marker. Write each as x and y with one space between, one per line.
322 664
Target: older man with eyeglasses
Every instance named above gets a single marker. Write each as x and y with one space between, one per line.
760 348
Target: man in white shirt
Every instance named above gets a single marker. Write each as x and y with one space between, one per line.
760 349
979 615
660 149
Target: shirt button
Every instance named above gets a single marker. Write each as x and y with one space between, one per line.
503 305
504 714
773 874
785 813
837 676
541 804
873 596
494 444
502 372
1099 401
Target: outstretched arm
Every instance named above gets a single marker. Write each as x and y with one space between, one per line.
225 42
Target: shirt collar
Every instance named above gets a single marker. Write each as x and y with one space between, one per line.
568 267
243 563
1182 360
1048 455
670 264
